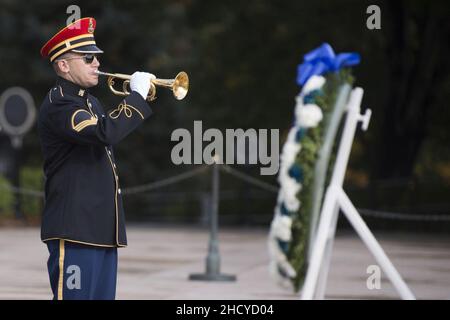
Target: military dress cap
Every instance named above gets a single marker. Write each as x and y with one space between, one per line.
76 37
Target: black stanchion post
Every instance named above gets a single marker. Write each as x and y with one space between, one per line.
213 258
17 146
205 205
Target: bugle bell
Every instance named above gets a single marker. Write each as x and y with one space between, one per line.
179 85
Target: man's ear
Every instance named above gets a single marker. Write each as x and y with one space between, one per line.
63 66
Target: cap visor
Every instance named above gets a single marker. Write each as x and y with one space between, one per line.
92 48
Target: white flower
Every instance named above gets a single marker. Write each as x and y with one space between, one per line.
313 83
289 188
290 150
278 260
281 227
288 184
292 204
308 115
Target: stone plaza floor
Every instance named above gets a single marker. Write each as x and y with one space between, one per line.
159 259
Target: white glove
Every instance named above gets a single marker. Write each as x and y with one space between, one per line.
140 82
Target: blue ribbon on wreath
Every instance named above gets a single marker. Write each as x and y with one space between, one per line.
323 60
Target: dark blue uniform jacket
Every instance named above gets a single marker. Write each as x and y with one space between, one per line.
82 193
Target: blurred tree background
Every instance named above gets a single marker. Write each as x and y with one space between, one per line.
242 59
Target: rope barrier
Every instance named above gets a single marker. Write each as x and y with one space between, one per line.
251 180
168 181
129 190
403 216
243 176
164 182
28 192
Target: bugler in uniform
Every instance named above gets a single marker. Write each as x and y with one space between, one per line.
83 221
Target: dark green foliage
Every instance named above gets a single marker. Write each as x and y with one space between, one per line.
31 178
307 157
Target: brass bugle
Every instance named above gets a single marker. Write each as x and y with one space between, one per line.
179 85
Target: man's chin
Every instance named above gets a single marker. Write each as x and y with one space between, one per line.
93 83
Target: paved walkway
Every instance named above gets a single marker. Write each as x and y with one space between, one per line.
158 261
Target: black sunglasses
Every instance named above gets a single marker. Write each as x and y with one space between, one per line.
88 58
